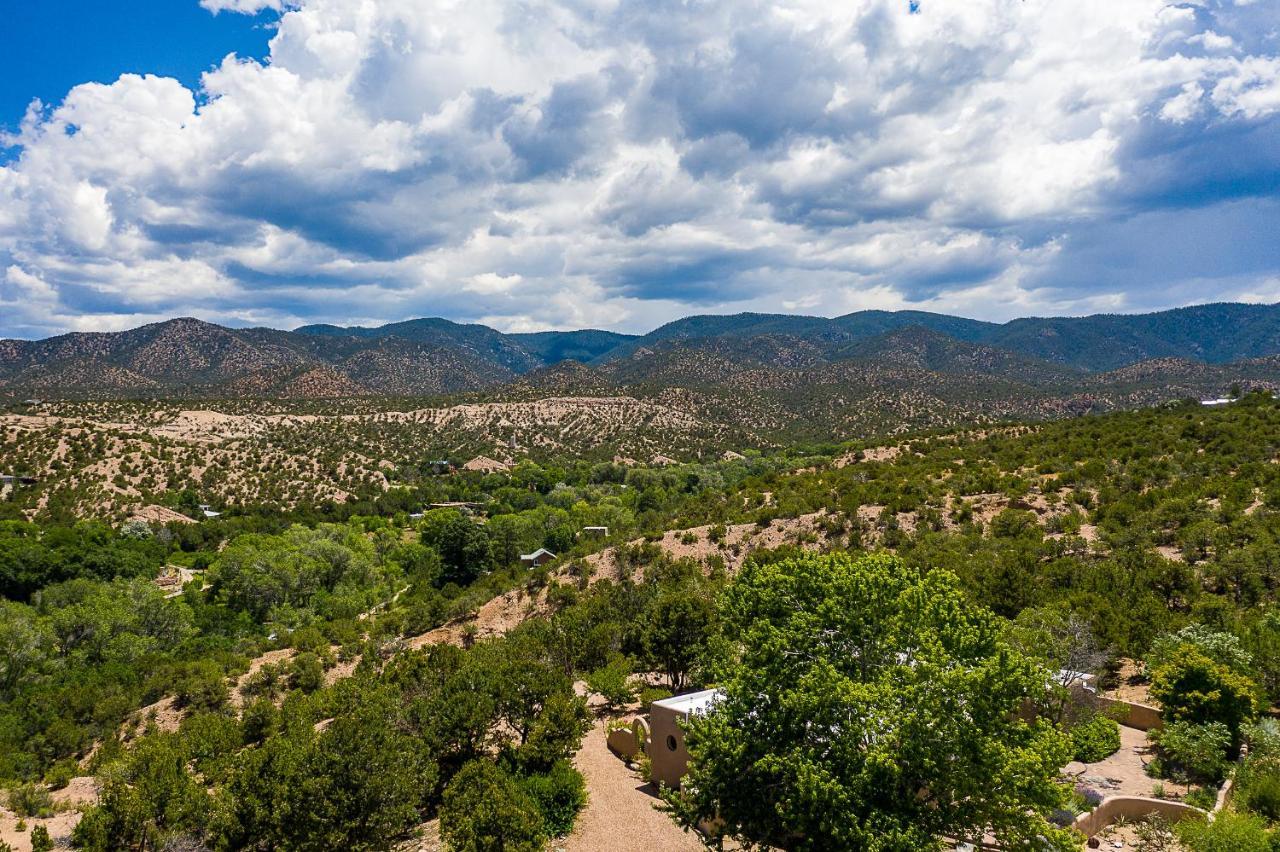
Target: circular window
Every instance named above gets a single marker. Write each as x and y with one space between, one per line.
671 743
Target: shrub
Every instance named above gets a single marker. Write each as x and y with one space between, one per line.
259 721
61 773
1264 739
306 672
1203 798
1089 796
650 694
40 840
612 683
1230 832
484 810
31 800
559 794
1258 790
1191 687
1199 750
201 685
265 681
1095 739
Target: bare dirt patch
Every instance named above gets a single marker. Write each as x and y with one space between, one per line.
1134 686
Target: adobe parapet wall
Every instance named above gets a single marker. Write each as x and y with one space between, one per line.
1143 717
1115 808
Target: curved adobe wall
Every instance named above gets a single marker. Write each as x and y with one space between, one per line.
1114 808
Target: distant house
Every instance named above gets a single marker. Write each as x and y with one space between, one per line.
461 506
208 512
730 455
33 402
595 532
541 556
7 479
1213 403
440 466
484 464
663 461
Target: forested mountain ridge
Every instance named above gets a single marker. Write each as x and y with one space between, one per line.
187 358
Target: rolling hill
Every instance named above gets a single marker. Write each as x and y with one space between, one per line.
872 370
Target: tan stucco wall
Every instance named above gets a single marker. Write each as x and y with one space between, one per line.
666 765
629 742
1131 808
1140 716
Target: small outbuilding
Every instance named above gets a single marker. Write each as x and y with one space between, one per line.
541 556
668 756
595 532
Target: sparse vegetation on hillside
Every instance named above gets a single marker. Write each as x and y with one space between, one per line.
1145 535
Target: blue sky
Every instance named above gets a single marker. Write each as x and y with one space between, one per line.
539 164
46 48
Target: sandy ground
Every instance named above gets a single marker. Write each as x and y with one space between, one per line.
1132 687
621 815
80 791
160 515
282 655
498 616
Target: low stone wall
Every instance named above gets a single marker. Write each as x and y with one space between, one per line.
629 742
1114 808
1141 716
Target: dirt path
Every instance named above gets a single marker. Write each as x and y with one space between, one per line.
621 815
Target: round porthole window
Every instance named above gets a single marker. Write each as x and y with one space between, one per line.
671 743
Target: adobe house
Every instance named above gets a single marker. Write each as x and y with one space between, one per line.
541 556
668 757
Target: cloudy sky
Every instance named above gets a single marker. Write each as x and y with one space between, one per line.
538 164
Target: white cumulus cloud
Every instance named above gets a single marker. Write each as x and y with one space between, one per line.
554 163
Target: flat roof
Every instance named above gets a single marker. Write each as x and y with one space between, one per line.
694 702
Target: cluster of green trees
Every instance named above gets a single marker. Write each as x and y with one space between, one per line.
871 688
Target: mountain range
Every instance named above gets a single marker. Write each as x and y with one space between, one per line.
774 368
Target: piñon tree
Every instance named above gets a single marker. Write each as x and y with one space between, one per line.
868 707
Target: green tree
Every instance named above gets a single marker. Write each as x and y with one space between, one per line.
613 683
40 840
25 645
463 546
868 707
1198 750
676 628
1193 688
147 800
484 810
